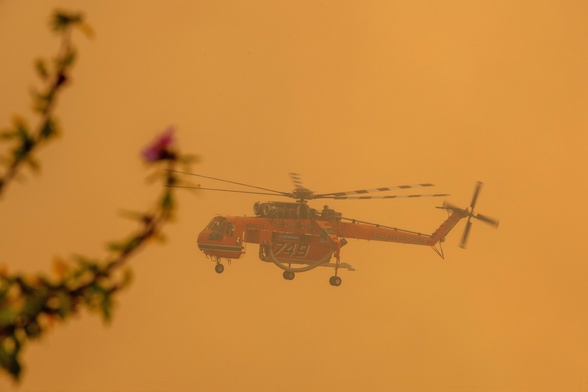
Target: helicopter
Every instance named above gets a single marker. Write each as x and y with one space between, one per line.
298 238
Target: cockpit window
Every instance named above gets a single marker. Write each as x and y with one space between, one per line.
217 224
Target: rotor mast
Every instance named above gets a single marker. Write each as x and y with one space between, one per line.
302 195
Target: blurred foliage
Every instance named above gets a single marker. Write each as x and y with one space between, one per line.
54 75
30 305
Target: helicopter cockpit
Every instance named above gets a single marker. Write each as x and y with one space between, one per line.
219 239
219 227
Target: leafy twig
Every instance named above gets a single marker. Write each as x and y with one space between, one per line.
25 139
30 305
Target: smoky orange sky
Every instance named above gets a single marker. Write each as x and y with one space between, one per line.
349 94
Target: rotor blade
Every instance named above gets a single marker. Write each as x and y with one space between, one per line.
295 177
223 190
466 233
491 221
476 193
378 197
229 182
364 191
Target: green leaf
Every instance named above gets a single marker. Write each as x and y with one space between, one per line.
5 285
33 164
9 352
107 306
93 295
87 271
41 68
167 201
60 303
115 246
33 329
87 263
137 216
48 129
61 20
133 242
70 58
42 101
127 278
86 29
126 245
26 142
34 303
100 299
65 305
7 316
8 135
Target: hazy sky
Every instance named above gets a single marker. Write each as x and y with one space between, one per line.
349 94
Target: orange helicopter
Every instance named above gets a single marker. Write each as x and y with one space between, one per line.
298 238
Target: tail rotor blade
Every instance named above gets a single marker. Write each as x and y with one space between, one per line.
466 234
450 206
469 213
476 194
490 221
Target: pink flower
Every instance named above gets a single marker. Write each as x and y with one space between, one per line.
161 148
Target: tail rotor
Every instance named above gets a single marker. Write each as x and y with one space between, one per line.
470 214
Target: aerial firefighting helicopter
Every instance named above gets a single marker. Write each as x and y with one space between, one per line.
298 238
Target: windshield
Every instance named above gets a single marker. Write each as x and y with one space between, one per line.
217 224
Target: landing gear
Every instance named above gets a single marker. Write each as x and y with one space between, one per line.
219 268
288 275
335 281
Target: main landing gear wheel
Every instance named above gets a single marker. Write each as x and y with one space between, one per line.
219 268
288 275
335 281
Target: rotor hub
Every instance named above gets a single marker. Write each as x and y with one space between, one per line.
302 194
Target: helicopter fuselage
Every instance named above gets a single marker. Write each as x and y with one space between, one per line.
298 238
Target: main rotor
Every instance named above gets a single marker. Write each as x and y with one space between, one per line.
302 194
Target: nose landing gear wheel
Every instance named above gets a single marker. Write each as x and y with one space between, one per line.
219 268
335 281
288 275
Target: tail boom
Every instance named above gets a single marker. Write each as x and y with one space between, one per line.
372 232
454 217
